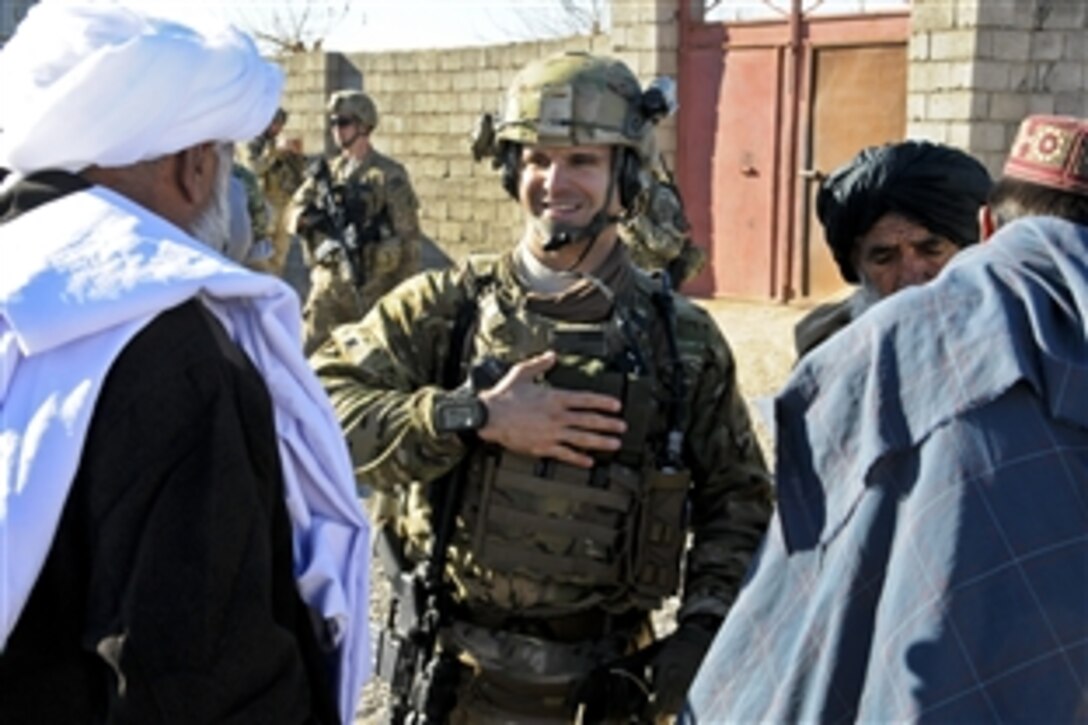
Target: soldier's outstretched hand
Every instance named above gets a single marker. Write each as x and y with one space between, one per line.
527 416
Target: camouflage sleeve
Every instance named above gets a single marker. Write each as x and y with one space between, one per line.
402 203
254 150
383 375
400 199
731 497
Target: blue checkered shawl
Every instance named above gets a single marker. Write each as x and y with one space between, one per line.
928 561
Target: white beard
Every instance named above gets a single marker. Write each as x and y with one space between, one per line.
865 297
212 225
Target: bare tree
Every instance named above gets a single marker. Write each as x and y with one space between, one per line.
292 26
560 18
584 16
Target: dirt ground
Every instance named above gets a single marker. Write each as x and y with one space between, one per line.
761 337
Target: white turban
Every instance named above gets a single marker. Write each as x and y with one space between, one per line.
106 85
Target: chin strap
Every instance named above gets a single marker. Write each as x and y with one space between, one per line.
589 232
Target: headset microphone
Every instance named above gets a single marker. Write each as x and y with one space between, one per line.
558 241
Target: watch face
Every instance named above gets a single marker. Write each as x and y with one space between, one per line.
459 415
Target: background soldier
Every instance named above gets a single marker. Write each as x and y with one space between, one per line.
378 203
258 150
249 244
279 169
553 423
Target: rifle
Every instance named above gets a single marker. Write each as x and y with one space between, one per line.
341 236
423 679
423 685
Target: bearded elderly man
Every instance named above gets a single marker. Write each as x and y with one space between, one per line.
179 541
928 559
893 217
582 418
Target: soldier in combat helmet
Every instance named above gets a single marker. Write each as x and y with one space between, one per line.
591 420
377 201
279 169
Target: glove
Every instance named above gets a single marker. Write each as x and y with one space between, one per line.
676 662
614 693
314 221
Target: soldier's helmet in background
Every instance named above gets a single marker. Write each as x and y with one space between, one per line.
354 103
573 98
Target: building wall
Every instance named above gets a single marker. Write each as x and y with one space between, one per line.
429 101
977 68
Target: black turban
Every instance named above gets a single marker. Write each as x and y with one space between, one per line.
936 186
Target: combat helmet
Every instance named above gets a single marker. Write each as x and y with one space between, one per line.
354 103
573 99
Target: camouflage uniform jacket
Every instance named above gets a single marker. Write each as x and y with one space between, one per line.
390 203
383 375
279 171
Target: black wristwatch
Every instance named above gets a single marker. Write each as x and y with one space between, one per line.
461 411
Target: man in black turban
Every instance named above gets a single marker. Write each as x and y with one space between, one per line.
893 217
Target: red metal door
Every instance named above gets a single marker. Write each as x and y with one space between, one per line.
745 162
744 138
858 101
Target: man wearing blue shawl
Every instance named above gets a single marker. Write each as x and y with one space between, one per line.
929 557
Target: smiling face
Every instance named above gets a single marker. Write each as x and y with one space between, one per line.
897 252
561 189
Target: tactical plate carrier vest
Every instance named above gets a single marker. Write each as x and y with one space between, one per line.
551 539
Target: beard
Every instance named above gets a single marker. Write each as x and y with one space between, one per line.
212 225
865 297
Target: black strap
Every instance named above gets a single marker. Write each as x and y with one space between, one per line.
678 413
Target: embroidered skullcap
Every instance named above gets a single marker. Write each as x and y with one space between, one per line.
1051 151
937 186
108 85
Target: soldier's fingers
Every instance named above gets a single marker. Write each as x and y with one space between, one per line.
595 423
566 454
589 401
534 366
590 441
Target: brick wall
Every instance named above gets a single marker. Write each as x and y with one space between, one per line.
646 35
977 68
